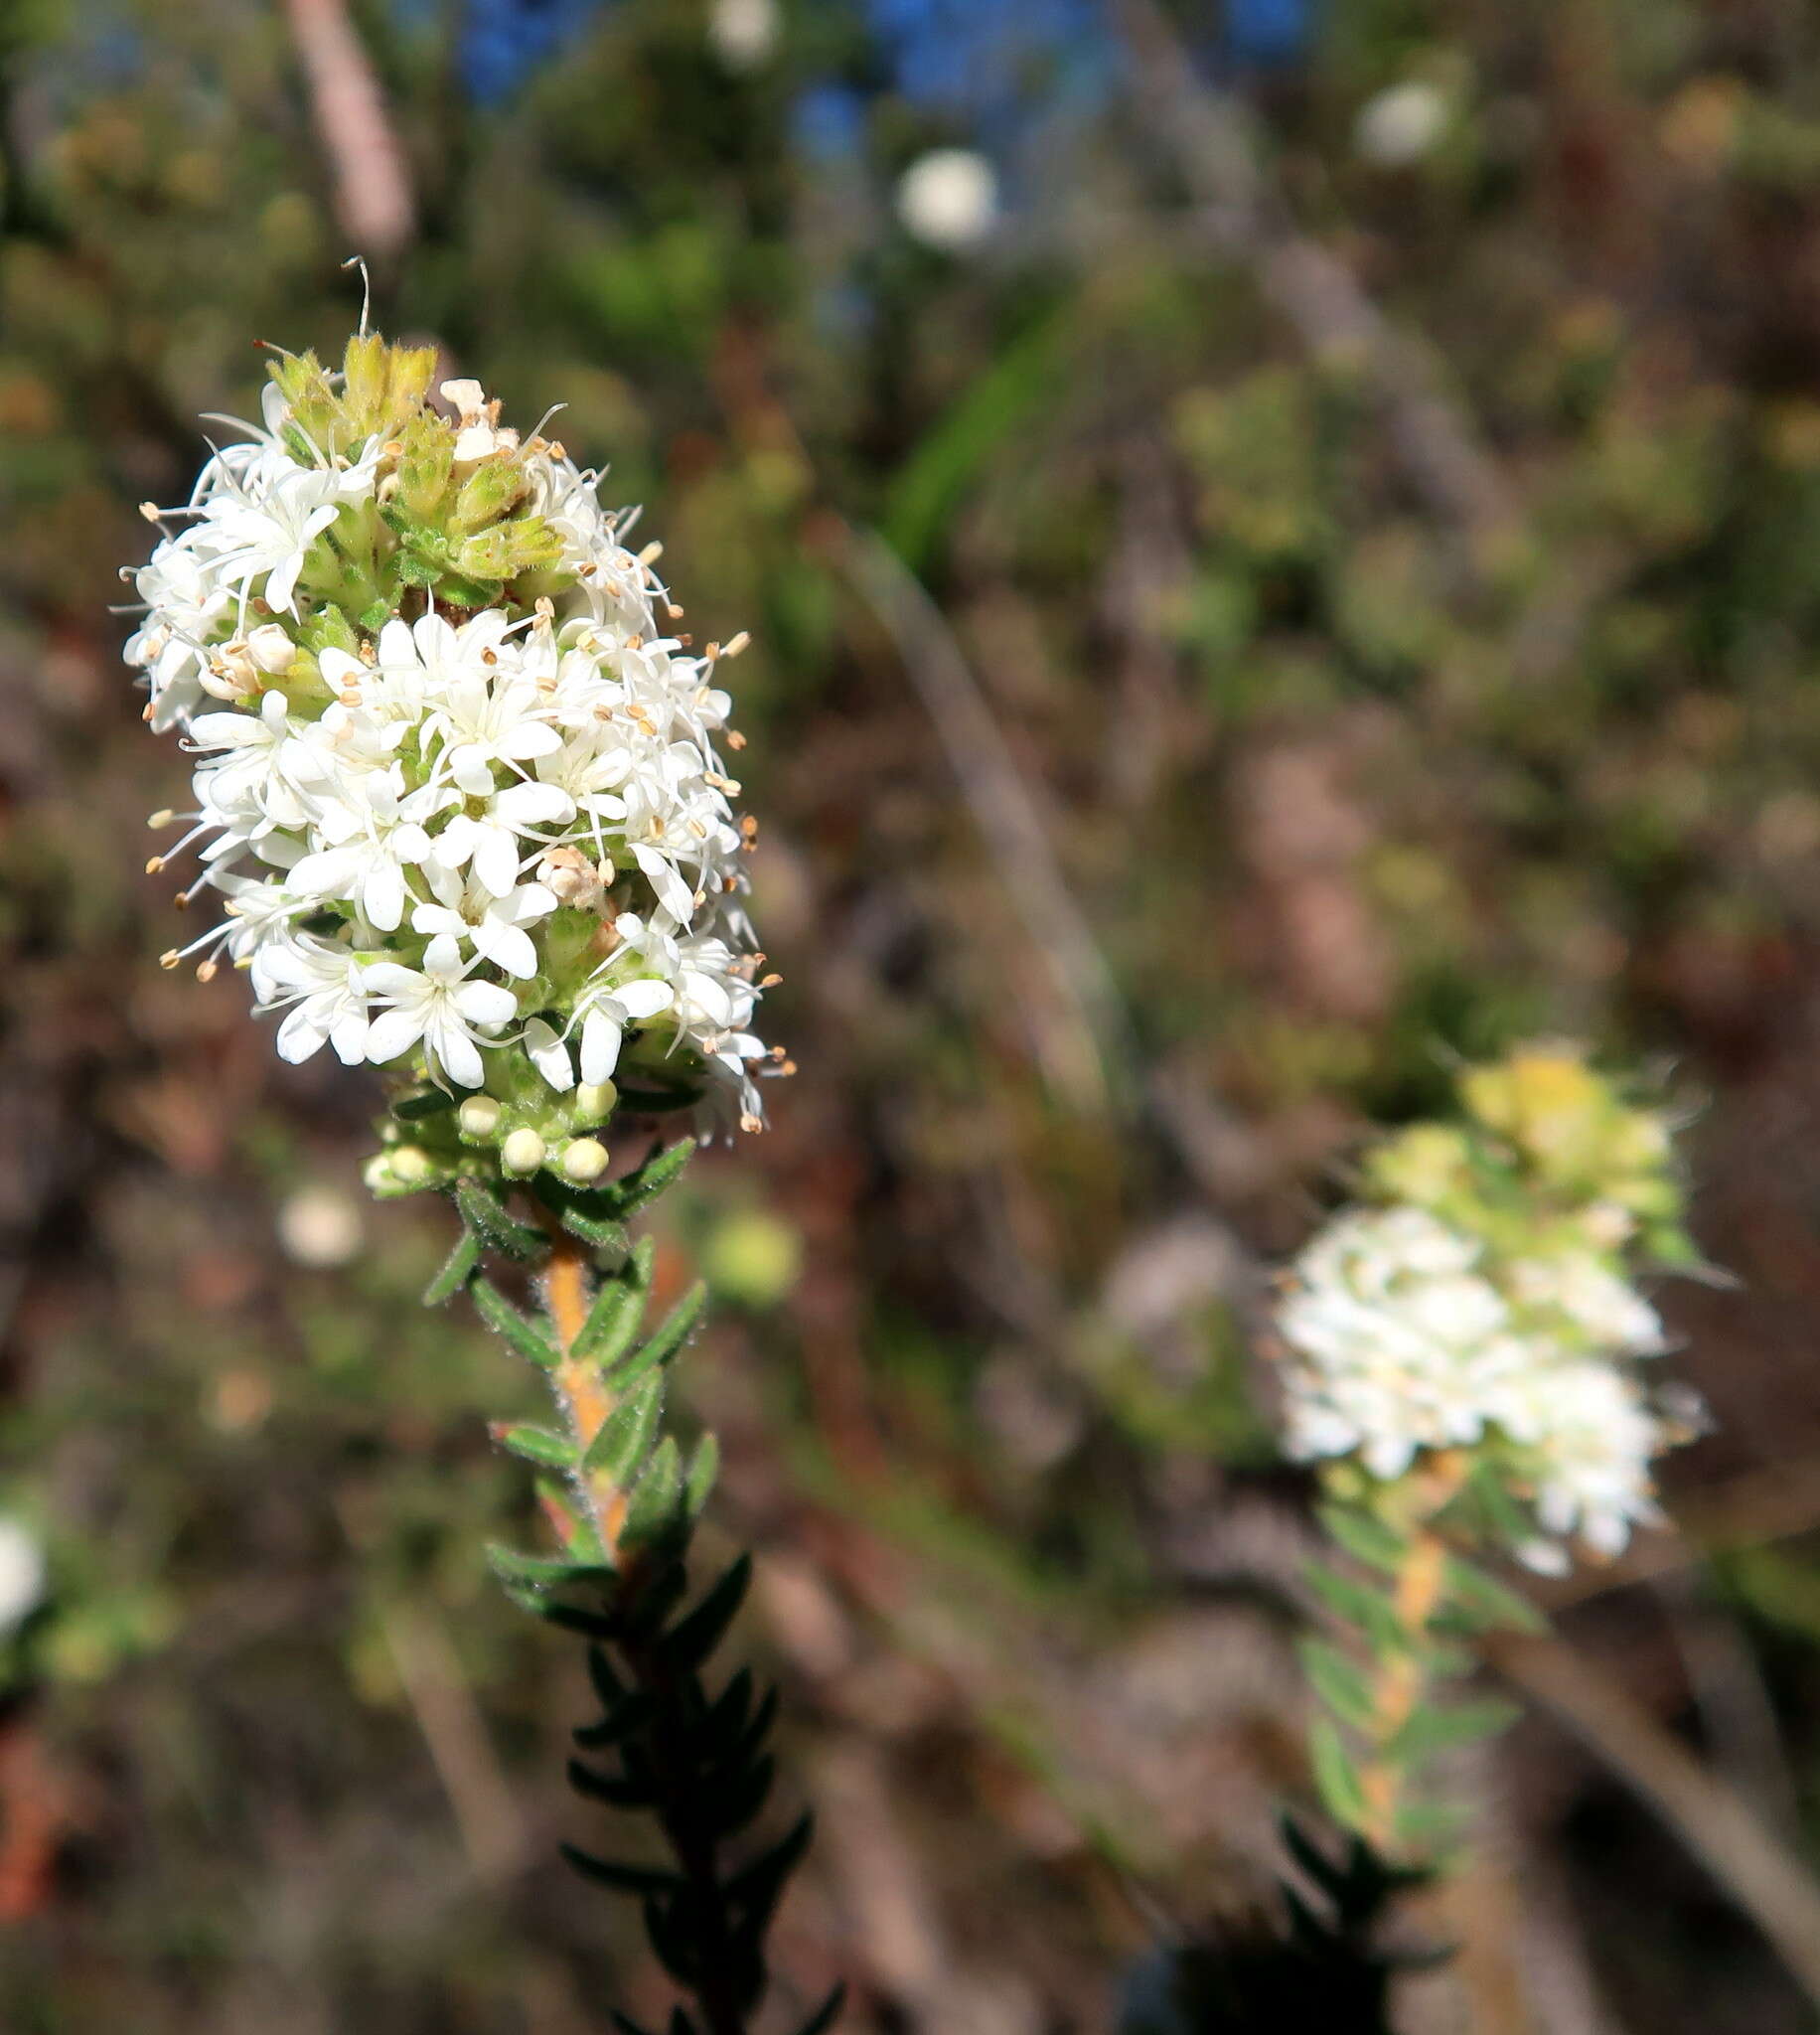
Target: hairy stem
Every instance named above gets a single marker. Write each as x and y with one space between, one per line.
1401 1681
585 1404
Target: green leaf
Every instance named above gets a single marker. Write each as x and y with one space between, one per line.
1480 1603
734 1805
943 464
484 1212
656 1511
626 1434
703 1467
456 1269
691 1639
628 1879
755 1887
619 1308
613 1789
505 1320
649 1180
541 1571
1432 1729
1357 1604
665 1341
1340 1683
1366 1539
825 2015
428 1102
1335 1776
539 1445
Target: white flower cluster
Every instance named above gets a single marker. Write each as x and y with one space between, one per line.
1402 1336
442 829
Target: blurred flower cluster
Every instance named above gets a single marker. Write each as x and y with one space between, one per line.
457 780
1480 1300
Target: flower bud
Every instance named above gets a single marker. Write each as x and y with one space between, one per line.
595 1099
409 1163
523 1153
270 649
585 1160
479 1117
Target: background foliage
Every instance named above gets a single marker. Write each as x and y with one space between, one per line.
1305 699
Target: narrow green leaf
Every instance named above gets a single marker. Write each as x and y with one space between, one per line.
631 1716
656 1511
703 1467
756 1887
659 1347
689 1642
427 1102
628 1879
825 2015
542 1570
1432 1729
1481 1603
619 1308
483 1211
613 1789
1335 1776
733 1806
599 1230
626 1434
645 1183
456 1268
505 1320
1339 1682
1355 1604
1366 1539
539 1445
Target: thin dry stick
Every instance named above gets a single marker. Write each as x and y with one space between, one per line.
1314 291
372 196
1766 1880
1004 810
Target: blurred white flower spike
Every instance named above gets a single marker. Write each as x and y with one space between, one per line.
458 781
1465 1355
1486 1307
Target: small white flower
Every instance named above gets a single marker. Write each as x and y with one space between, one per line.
328 993
438 1004
23 1574
743 31
493 925
1400 124
948 198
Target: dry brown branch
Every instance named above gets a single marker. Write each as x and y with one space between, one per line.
373 194
1080 1052
1766 1880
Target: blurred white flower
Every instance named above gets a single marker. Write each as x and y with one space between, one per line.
319 1227
23 1574
743 33
1401 124
948 198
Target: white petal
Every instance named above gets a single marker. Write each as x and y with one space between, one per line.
600 1039
495 859
457 1052
506 946
644 998
485 1003
300 1035
549 1055
393 1032
472 770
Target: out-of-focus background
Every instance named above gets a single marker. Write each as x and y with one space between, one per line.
1283 543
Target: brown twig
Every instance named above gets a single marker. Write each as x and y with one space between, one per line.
373 194
1093 1038
1766 1880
